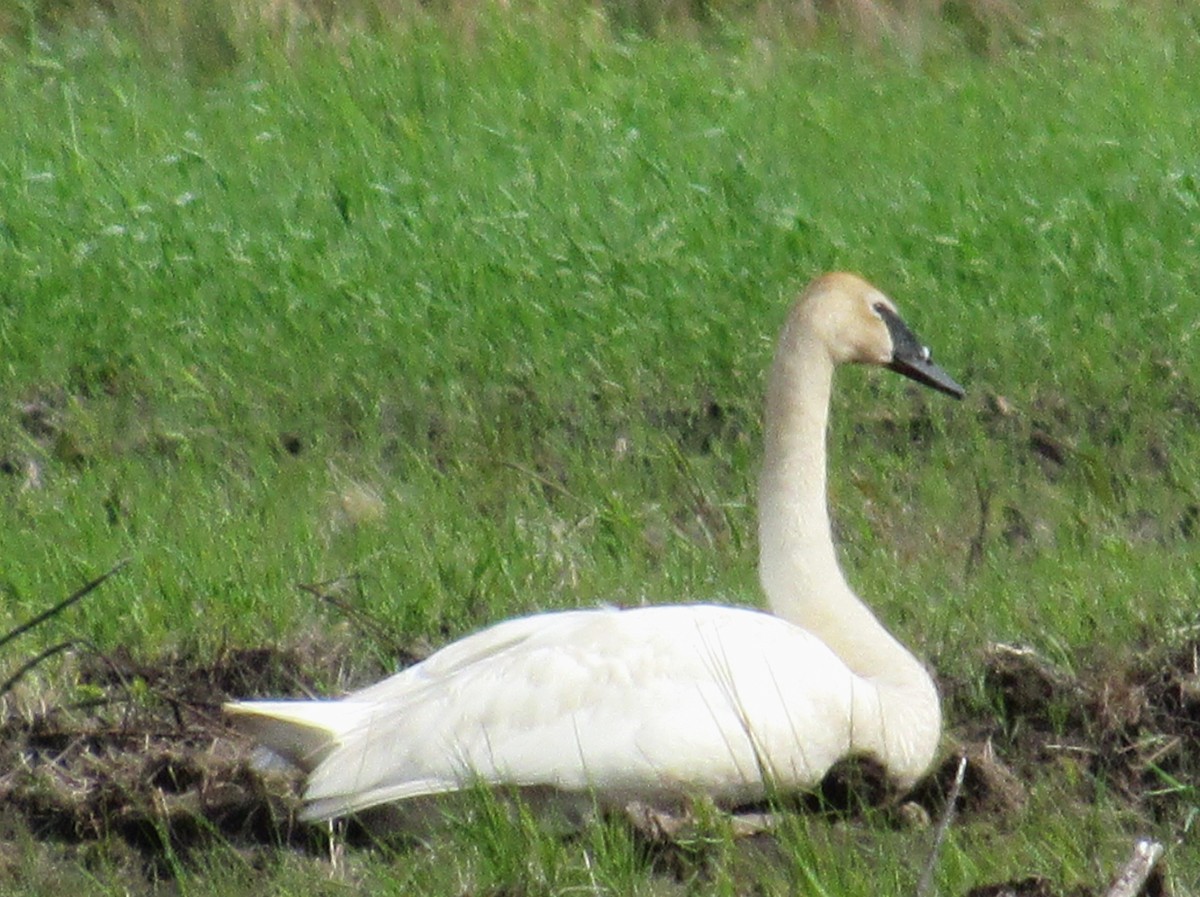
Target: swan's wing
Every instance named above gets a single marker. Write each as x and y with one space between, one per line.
474 650
305 732
628 703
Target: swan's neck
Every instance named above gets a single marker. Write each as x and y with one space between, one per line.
797 563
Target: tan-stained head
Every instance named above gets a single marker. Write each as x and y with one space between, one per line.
851 320
842 310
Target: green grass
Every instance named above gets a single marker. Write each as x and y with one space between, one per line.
484 320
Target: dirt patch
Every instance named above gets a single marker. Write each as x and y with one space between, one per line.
138 752
1135 725
1033 886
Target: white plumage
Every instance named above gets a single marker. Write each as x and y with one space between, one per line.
661 703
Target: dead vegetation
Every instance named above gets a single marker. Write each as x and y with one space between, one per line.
1135 726
137 753
216 37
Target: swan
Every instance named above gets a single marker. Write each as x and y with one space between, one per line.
664 703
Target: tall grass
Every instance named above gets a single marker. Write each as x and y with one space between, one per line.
446 275
482 320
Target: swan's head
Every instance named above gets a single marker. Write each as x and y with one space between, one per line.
860 325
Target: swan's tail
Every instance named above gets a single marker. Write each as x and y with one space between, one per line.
301 732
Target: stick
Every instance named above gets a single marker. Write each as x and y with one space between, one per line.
926 882
1130 880
28 665
365 621
975 554
545 481
64 604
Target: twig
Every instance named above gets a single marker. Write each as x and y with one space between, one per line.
704 507
366 622
64 604
1130 880
30 664
545 481
337 848
926 882
979 540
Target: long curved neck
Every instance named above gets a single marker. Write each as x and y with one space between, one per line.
798 565
894 706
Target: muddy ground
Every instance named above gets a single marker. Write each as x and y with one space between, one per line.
133 758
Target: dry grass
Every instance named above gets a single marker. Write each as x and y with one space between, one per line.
215 36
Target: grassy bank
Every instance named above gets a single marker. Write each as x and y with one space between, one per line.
479 323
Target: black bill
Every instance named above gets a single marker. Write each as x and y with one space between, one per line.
914 360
